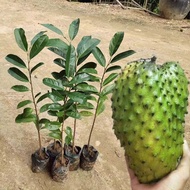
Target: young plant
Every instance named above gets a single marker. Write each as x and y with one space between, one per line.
106 84
70 90
24 71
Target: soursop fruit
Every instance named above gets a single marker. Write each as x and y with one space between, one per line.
149 104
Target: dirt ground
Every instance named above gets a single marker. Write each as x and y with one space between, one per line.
146 34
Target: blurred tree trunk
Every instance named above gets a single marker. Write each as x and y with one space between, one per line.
145 4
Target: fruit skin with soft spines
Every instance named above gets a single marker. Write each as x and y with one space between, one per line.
149 104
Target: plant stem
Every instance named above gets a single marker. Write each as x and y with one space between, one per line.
95 114
35 107
74 133
62 152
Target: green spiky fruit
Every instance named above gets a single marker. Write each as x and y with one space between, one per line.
149 104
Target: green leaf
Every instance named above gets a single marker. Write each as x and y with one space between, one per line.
86 87
86 105
38 45
20 38
82 59
55 135
36 66
68 131
86 45
73 114
37 36
74 28
101 105
55 107
23 103
80 78
61 75
122 55
45 107
58 52
17 74
89 65
15 60
77 97
60 62
52 126
41 97
55 84
99 56
108 89
70 64
110 78
115 42
88 70
86 113
26 116
53 28
20 88
57 43
55 96
113 68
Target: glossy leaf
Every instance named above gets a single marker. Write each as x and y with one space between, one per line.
37 94
113 68
15 60
89 65
23 103
20 88
99 56
70 64
86 45
115 42
58 52
55 84
17 74
61 75
38 45
42 97
45 108
74 28
86 113
108 89
73 114
60 62
122 55
55 96
55 107
26 116
77 97
110 78
57 43
53 28
55 135
86 87
37 36
80 78
86 105
20 38
101 105
82 59
68 131
52 126
88 70
37 66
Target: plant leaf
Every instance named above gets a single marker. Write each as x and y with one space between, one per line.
73 114
17 74
74 28
23 103
60 62
42 97
122 55
86 105
20 88
108 89
113 68
80 78
86 113
101 105
52 125
55 107
26 116
115 42
58 52
55 84
77 97
45 107
110 78
86 87
99 56
55 135
89 65
15 60
53 28
20 38
37 36
38 45
57 43
86 45
70 64
36 66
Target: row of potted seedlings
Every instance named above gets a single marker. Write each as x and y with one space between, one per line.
76 91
